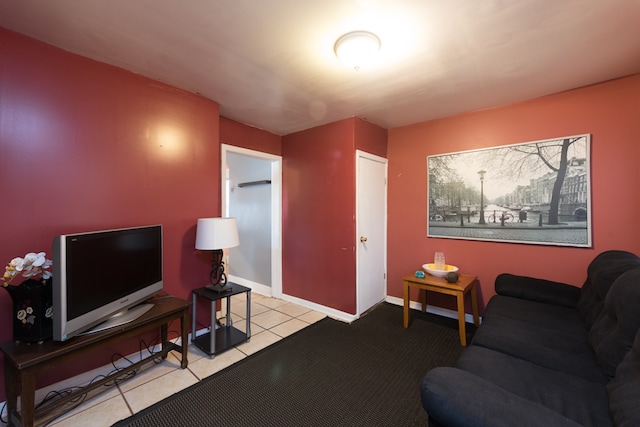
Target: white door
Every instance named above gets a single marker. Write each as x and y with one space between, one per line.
371 229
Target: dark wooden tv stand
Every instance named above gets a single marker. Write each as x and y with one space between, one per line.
23 363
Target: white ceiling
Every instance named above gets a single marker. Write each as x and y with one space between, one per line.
270 63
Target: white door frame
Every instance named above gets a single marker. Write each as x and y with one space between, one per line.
276 207
363 154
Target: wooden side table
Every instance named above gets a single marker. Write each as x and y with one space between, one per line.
466 285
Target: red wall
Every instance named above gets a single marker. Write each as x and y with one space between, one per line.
245 136
318 203
609 112
370 138
318 207
86 146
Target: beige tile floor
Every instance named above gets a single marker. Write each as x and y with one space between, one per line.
271 320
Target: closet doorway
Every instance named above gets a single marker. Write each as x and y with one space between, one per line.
252 193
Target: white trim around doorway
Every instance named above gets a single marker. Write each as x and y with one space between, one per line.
276 209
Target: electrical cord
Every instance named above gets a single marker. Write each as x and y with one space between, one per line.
59 394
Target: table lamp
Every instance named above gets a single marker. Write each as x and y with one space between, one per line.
216 234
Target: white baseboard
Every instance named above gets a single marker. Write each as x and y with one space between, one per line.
256 287
348 317
331 312
453 314
267 291
341 315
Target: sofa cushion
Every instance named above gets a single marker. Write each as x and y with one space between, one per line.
560 350
551 336
624 389
476 402
601 273
548 316
582 401
612 335
539 290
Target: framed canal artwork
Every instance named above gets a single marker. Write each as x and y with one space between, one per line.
534 192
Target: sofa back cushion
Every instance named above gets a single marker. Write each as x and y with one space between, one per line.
624 389
601 273
613 333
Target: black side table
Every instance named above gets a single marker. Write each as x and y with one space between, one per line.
222 338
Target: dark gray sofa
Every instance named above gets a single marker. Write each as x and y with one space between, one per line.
549 354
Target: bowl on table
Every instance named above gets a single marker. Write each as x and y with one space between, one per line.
431 269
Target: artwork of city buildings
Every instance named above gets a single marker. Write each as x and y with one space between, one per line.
533 192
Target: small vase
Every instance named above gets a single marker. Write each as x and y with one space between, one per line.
32 310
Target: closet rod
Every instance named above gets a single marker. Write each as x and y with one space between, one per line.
246 184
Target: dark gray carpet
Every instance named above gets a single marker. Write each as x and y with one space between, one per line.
366 373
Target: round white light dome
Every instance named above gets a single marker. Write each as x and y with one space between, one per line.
357 48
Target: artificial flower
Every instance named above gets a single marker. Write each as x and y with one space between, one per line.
31 266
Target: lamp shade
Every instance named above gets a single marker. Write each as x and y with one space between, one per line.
216 233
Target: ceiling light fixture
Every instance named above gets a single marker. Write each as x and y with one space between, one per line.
357 48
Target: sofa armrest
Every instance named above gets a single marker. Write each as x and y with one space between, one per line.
538 290
456 398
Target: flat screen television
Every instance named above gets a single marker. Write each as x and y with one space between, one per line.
100 278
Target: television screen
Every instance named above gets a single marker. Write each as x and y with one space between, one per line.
99 274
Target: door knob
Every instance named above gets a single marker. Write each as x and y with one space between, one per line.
363 239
